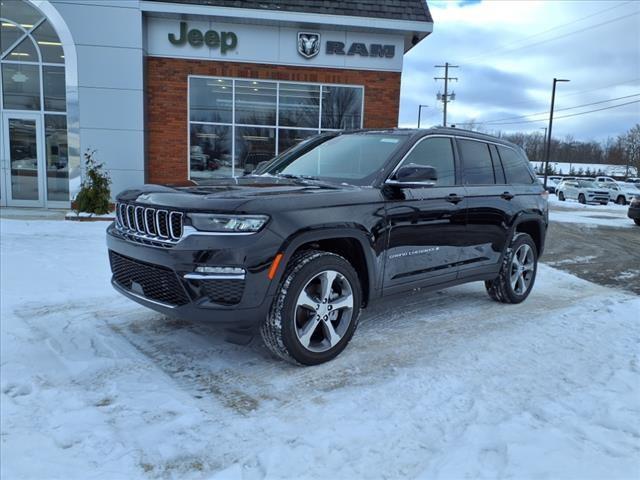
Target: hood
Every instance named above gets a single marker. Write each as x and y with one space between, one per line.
251 194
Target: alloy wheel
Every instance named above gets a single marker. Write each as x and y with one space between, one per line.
522 269
324 310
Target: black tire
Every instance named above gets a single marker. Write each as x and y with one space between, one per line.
604 203
637 221
582 199
501 289
621 200
280 329
561 196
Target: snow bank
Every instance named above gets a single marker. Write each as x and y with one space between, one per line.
442 385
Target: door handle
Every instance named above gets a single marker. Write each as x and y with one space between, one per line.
454 198
507 195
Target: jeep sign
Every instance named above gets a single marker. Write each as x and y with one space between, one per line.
225 41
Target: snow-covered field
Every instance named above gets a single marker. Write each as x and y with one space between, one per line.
441 385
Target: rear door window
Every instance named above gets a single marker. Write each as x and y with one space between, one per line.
476 161
436 152
515 167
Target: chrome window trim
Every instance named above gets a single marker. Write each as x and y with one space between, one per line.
390 181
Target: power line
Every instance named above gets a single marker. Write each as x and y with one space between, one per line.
560 109
584 29
508 45
567 116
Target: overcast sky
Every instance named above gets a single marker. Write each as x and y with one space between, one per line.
510 51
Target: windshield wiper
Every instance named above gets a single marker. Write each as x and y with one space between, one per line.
297 177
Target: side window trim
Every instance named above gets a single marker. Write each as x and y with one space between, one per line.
497 165
454 153
487 145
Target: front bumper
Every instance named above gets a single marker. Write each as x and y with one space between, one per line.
154 276
634 212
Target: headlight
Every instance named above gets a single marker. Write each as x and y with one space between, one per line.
210 222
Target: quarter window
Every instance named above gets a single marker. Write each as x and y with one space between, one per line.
478 169
435 152
515 167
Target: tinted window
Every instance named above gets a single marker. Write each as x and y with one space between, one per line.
478 169
497 166
515 167
437 153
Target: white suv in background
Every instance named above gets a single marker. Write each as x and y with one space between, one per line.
605 180
584 191
621 193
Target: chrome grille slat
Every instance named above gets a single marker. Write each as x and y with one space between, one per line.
149 225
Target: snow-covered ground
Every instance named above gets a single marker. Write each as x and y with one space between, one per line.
570 211
440 385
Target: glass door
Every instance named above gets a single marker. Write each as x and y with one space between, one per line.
23 159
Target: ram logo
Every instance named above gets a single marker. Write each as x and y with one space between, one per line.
308 44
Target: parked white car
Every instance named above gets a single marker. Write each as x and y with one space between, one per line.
584 191
621 193
605 180
632 180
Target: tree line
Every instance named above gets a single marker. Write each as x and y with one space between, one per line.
621 150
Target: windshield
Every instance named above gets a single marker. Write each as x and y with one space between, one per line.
352 158
587 184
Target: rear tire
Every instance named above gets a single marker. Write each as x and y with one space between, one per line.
637 221
518 273
561 197
316 310
582 199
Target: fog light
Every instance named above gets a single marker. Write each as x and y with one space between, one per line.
221 270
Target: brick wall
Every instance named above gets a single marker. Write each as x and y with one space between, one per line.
167 103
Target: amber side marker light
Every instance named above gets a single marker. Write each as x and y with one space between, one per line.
274 266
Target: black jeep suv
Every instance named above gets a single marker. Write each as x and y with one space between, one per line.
298 247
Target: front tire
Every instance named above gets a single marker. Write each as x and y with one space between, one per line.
518 272
637 221
582 199
316 309
561 197
621 200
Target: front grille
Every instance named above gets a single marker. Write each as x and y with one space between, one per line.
149 225
151 281
224 292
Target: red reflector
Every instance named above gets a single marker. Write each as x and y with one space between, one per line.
274 266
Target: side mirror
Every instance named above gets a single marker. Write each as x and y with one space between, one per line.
414 174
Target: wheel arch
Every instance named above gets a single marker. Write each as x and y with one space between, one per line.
351 242
534 226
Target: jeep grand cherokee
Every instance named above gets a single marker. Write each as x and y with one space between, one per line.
296 249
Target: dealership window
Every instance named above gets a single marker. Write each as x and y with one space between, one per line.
33 84
234 124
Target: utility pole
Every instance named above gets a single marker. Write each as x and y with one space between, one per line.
419 112
446 98
545 142
553 100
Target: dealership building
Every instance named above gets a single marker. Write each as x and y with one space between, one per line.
178 91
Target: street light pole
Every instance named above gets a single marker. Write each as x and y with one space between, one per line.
419 112
553 100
